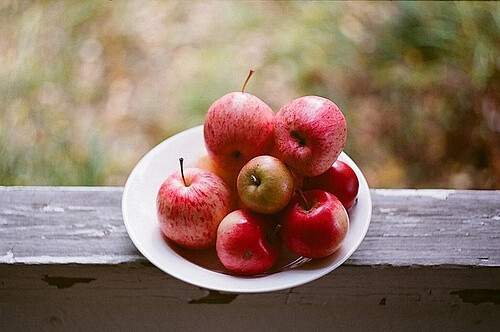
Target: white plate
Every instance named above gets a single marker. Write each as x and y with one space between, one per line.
202 268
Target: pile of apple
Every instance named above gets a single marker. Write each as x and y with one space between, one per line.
267 179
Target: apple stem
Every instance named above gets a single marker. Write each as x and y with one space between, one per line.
272 235
181 161
246 81
255 180
303 198
275 231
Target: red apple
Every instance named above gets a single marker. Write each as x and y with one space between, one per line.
238 127
247 243
309 133
190 205
297 178
265 185
314 224
340 180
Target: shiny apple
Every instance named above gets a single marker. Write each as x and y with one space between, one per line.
190 205
309 133
314 224
340 180
247 243
238 127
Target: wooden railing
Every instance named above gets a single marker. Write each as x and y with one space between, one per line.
430 260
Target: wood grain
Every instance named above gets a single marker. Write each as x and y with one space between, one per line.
430 260
41 225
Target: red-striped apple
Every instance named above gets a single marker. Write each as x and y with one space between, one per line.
238 127
190 205
309 134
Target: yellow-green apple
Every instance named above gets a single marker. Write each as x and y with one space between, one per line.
238 126
247 243
314 224
265 185
340 180
190 205
309 134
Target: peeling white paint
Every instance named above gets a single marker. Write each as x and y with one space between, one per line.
43 259
440 194
119 218
8 258
50 208
387 210
496 218
81 208
113 228
62 188
87 232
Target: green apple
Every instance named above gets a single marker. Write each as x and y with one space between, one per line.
265 185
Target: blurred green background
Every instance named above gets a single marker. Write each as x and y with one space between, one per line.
88 87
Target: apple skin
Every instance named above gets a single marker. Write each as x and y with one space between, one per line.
190 215
297 178
318 231
229 176
265 185
309 134
238 126
340 180
247 243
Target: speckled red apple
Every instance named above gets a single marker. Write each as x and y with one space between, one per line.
190 205
238 127
309 134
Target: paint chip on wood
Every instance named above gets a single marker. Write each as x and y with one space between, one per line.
440 194
50 208
477 296
8 258
214 297
65 282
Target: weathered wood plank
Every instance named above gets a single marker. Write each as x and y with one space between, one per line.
40 225
430 260
140 297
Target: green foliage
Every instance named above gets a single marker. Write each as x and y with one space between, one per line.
87 88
